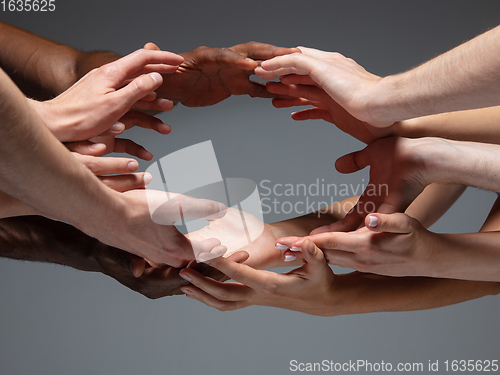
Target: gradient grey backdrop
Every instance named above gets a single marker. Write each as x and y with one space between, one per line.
56 320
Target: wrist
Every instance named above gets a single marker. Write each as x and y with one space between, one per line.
47 113
438 159
385 102
102 220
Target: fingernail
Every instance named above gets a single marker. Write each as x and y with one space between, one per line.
296 248
132 166
290 257
147 178
249 59
373 221
188 291
222 210
310 247
156 77
117 128
185 276
280 246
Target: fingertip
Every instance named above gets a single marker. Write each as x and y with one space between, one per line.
371 221
137 266
164 129
309 246
147 178
151 46
117 128
281 246
157 78
145 155
222 210
97 148
132 166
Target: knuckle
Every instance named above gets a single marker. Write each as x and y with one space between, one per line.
108 70
93 166
201 50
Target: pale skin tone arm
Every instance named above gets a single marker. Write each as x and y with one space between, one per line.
464 78
314 289
29 149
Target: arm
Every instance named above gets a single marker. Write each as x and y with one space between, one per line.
463 78
400 168
38 239
36 169
41 67
314 289
476 125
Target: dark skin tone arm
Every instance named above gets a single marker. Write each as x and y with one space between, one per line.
37 239
43 68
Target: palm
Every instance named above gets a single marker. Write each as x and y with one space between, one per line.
233 235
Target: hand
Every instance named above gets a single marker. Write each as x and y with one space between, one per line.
134 273
231 233
209 75
348 83
104 96
389 244
309 289
303 90
400 169
143 224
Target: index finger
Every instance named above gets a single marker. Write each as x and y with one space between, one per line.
137 60
242 273
262 51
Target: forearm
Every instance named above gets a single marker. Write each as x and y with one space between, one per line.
35 238
476 125
357 293
43 68
466 163
11 207
38 170
470 256
465 77
433 202
303 225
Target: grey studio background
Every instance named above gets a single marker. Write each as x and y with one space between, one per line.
56 320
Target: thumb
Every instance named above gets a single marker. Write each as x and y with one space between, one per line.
316 263
392 223
137 89
151 46
353 162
